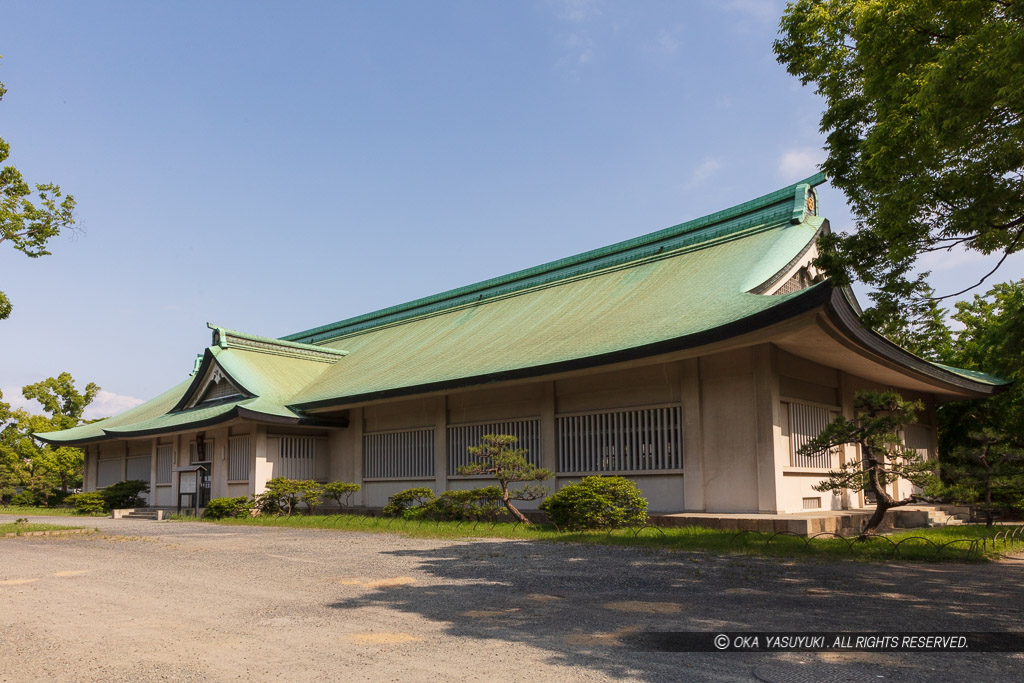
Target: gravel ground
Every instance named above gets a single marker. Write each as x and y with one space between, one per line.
178 601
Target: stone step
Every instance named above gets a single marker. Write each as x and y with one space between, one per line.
155 514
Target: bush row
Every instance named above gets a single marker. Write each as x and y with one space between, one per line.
282 497
124 494
593 503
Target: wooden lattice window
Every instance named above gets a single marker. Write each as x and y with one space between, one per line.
621 441
461 437
806 422
406 454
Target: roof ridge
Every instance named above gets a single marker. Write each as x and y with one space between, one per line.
225 338
788 203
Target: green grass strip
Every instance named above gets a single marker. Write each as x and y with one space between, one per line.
23 510
20 528
913 545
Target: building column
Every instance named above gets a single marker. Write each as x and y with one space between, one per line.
441 444
693 436
152 471
355 425
549 431
258 464
769 428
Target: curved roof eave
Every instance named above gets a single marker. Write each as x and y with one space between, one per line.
845 316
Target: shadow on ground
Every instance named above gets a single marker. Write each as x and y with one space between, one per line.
581 603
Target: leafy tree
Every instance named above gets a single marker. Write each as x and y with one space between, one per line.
979 438
340 492
500 459
916 324
992 340
924 116
989 474
25 461
879 417
29 219
59 397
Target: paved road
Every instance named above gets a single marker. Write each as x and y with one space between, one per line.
181 601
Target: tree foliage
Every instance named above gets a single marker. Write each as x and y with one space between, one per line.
988 473
924 116
27 463
340 492
29 218
991 340
499 458
880 415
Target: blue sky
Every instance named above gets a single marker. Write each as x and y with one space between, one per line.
275 166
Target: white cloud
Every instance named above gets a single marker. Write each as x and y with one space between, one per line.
12 395
580 48
668 42
577 10
108 403
800 163
105 404
705 170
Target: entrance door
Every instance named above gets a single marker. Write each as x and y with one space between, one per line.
205 477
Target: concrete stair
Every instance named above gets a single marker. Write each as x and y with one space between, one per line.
152 514
948 515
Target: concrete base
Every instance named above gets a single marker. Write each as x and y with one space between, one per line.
841 522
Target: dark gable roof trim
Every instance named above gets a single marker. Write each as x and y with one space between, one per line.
200 375
841 307
825 229
237 412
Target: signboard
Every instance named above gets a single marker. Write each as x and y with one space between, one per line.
187 482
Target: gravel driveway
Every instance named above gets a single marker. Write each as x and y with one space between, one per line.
180 601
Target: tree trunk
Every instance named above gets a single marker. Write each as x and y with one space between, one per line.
876 519
513 510
883 501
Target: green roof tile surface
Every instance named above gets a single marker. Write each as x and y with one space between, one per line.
681 281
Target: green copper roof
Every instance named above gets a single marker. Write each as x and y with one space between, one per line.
663 296
982 377
271 378
693 282
786 205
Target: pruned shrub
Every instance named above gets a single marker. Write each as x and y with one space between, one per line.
409 499
282 496
464 504
91 503
219 508
125 494
27 498
597 503
309 493
340 492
